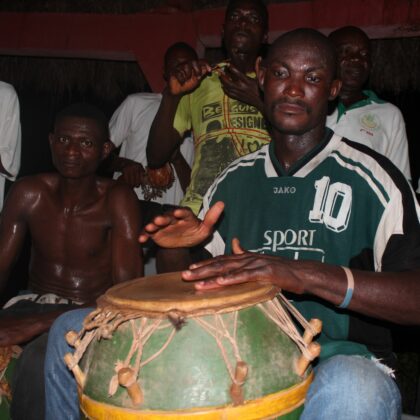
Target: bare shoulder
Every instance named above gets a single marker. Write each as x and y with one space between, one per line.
122 203
28 193
117 192
31 186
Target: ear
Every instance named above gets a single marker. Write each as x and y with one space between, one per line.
50 138
260 71
107 148
334 89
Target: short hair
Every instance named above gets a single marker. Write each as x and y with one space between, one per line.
178 46
261 6
305 34
349 28
88 111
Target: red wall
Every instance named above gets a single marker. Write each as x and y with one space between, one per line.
145 36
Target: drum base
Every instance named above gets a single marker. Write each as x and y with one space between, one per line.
285 405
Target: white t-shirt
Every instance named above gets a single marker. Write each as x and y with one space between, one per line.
10 135
377 124
129 128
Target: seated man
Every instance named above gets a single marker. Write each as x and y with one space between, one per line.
312 201
84 233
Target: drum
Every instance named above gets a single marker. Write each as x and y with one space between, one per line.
155 348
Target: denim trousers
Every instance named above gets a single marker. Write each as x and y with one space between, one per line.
344 387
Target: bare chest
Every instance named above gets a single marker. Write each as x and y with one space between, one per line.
70 233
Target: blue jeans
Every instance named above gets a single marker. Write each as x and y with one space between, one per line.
61 399
352 388
344 387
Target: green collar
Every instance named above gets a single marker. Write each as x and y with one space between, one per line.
370 98
303 160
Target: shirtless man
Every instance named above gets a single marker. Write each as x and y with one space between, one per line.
84 228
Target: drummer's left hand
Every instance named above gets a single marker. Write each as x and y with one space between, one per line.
180 228
241 267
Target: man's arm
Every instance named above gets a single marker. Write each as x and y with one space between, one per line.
391 296
182 169
13 226
163 137
132 172
127 262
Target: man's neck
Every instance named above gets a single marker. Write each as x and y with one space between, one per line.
77 193
349 96
289 148
244 62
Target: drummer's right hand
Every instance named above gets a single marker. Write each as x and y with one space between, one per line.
180 228
187 76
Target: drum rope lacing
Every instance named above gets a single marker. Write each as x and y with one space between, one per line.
102 322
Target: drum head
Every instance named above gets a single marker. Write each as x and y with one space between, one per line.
164 293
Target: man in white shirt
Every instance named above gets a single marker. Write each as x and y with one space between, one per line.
130 125
129 128
360 115
10 136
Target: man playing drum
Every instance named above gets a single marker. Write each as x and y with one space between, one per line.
84 233
323 202
339 225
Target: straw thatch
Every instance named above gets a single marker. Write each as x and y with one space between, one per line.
396 68
108 81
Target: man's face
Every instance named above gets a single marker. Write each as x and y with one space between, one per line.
176 58
77 146
244 30
353 58
297 83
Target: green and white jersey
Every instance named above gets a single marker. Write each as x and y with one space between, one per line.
224 129
342 204
377 124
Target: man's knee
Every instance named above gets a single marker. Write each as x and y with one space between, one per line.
71 320
356 386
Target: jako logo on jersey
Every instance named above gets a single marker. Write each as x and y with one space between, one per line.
284 190
288 237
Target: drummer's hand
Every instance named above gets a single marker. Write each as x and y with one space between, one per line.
242 267
180 228
187 76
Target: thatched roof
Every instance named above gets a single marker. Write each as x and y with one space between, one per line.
396 68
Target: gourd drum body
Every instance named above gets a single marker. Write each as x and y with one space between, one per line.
157 349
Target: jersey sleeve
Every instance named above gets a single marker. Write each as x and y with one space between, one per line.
398 151
399 233
183 118
10 131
